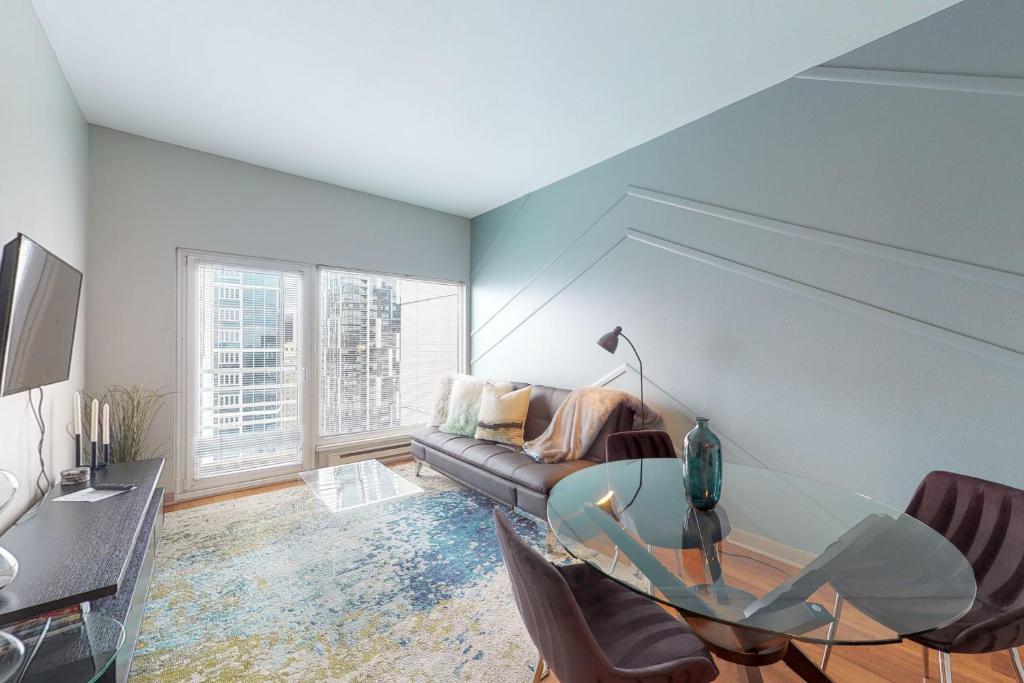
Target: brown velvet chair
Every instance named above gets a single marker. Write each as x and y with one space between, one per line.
590 629
648 443
985 521
664 533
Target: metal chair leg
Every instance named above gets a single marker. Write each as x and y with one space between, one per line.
419 466
926 661
945 667
615 560
538 673
1018 666
837 609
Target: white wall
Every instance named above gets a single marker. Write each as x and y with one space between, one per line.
44 147
833 271
150 198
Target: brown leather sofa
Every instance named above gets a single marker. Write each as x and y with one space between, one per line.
503 472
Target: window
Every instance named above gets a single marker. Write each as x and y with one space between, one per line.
246 377
227 359
384 342
227 337
226 400
255 330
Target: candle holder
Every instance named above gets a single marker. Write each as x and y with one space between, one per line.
78 451
96 463
106 454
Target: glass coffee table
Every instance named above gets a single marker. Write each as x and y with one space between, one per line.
353 485
771 565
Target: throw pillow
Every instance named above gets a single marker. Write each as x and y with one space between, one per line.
464 404
442 395
502 416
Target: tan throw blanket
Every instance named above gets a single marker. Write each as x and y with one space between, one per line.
578 421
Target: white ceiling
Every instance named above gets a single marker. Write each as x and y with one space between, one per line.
458 105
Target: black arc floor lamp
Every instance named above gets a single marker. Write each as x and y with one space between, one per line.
610 342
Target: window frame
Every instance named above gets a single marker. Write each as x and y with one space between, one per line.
187 483
315 446
367 439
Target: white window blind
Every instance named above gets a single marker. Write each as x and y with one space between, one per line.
245 368
384 343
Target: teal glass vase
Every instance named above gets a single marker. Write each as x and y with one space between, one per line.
702 460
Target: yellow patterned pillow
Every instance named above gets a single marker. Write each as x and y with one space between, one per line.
502 415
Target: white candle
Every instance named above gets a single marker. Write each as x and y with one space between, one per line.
106 424
78 413
94 434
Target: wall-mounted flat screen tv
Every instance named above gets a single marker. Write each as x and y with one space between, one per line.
38 310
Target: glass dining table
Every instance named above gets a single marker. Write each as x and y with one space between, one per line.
781 559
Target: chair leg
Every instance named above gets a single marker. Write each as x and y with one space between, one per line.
945 667
926 659
419 466
615 560
1018 666
538 673
837 609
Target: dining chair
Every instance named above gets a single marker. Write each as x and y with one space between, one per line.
591 629
985 521
657 532
647 443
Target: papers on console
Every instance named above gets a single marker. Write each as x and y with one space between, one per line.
89 495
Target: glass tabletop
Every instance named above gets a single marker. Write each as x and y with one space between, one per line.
76 649
771 557
353 485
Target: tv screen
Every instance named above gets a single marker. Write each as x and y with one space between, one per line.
38 311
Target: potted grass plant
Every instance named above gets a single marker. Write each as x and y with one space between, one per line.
132 411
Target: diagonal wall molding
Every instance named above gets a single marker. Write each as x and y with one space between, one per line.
545 267
938 264
978 347
501 234
691 414
566 271
980 85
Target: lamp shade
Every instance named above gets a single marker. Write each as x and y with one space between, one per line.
610 341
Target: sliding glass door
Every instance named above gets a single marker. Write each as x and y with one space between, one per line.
247 342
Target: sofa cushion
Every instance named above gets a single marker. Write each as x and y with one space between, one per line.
544 401
505 461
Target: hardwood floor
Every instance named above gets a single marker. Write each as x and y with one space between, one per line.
206 500
875 664
882 664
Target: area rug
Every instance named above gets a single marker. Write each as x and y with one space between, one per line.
275 587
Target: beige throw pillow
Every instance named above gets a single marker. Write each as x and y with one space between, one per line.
502 415
464 404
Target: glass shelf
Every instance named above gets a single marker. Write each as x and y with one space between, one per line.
80 653
12 655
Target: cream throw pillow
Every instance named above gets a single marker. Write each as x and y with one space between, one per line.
442 395
502 416
464 404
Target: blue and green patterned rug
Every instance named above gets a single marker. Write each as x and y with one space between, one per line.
274 587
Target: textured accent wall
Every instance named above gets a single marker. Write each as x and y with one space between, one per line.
832 269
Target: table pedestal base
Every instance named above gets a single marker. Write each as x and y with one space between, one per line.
752 650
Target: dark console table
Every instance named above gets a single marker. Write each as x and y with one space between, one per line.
99 553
